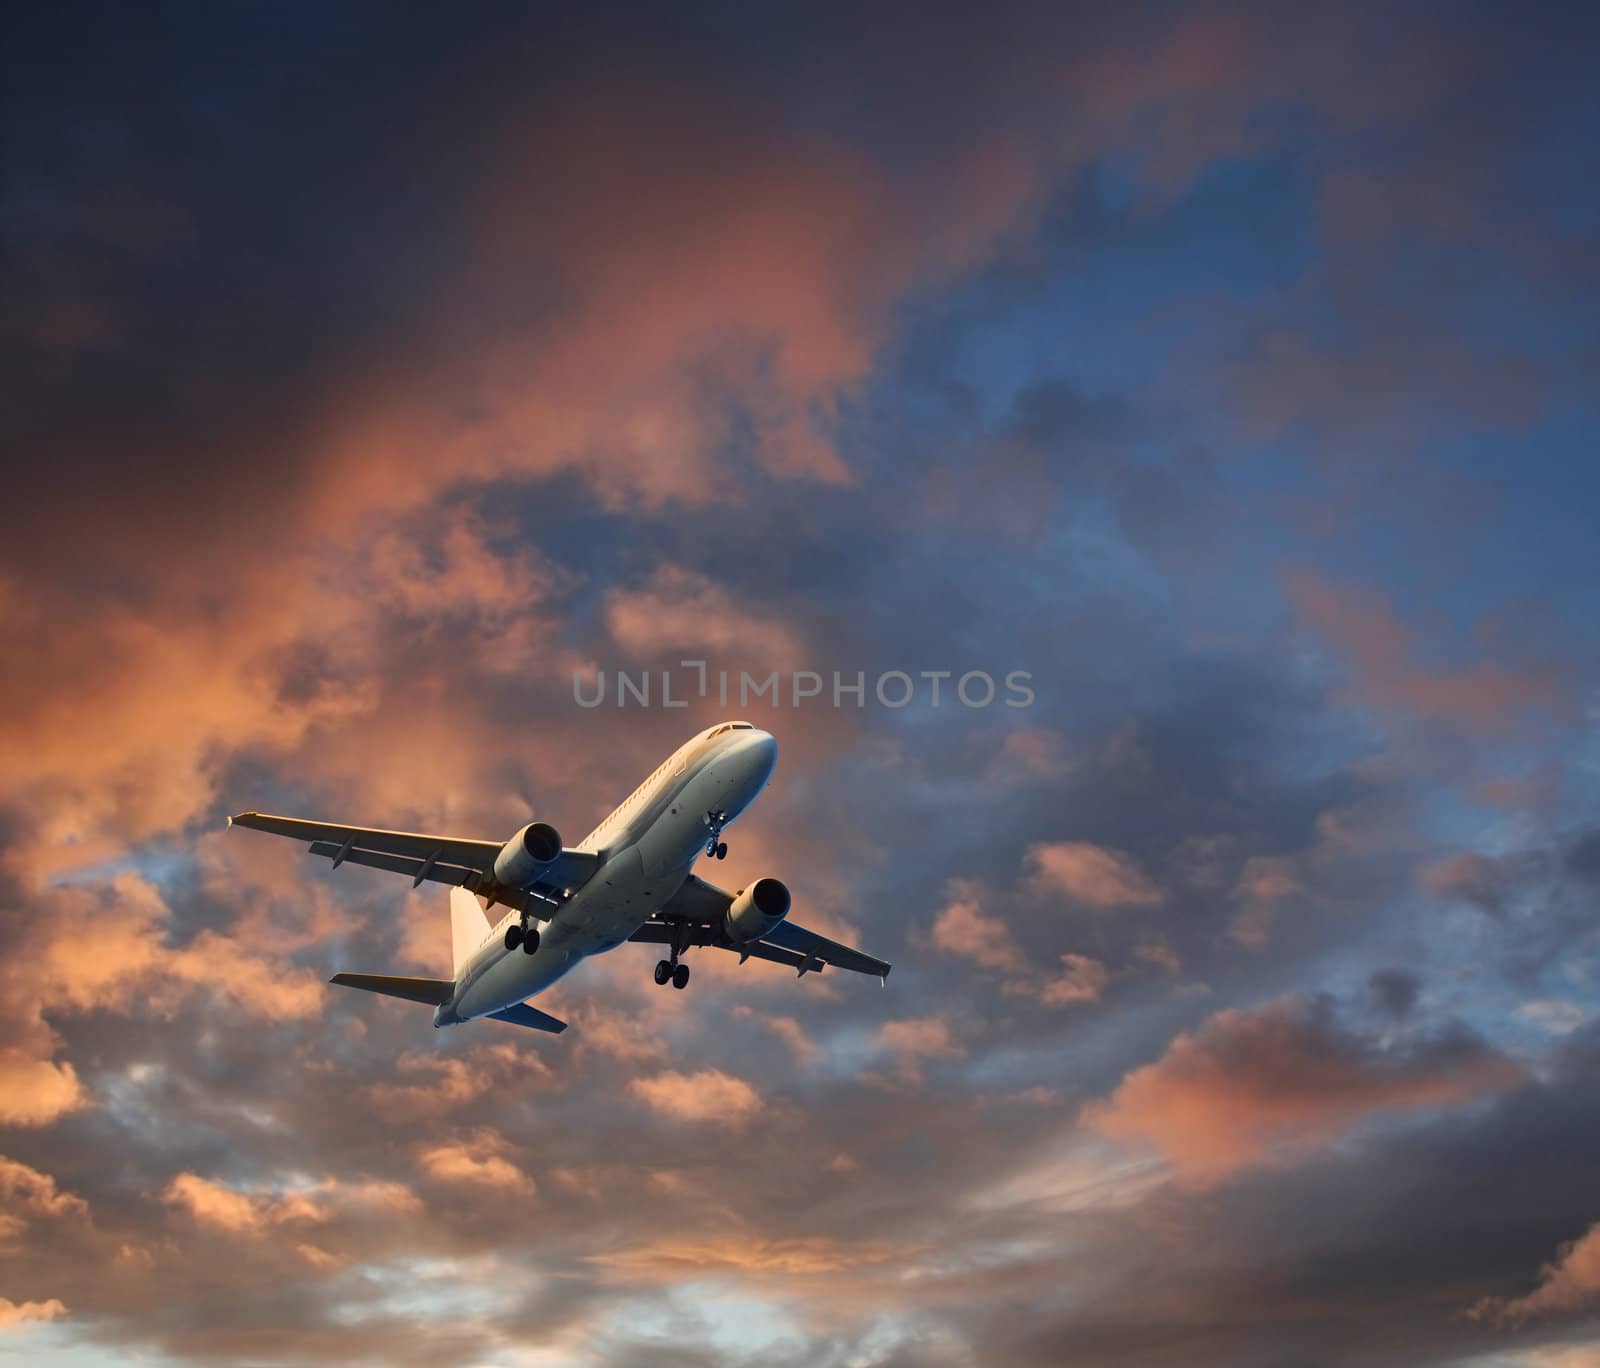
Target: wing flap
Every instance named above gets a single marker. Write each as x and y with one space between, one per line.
800 941
437 872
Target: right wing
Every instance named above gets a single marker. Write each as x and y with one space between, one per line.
694 916
441 859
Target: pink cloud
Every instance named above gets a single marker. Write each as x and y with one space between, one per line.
1388 666
963 928
1251 1086
1090 874
1082 979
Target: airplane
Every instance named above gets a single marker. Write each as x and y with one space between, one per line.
628 880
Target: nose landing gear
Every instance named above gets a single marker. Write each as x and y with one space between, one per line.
716 847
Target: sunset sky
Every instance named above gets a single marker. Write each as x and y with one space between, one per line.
1231 370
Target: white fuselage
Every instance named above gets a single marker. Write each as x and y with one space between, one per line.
647 847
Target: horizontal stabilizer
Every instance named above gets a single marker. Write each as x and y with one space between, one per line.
434 992
523 1015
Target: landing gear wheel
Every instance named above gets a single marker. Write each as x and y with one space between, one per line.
680 976
530 941
513 936
663 972
722 850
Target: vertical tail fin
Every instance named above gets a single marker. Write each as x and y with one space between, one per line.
469 924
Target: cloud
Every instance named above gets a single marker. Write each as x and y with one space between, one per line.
1569 1282
915 1039
1283 1079
919 1037
35 1092
127 921
961 927
1471 877
680 614
1082 979
1555 1015
1089 874
479 1160
749 1257
1396 991
215 1204
36 1192
1387 664
260 1209
1031 755
786 1028
708 1095
13 1314
1265 882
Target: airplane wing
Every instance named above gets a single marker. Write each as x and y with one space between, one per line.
441 859
694 915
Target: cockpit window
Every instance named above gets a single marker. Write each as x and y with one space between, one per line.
741 726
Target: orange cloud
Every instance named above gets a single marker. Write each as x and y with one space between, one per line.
1249 1086
748 1256
257 1210
126 922
1569 1282
13 1314
479 1160
709 1095
226 1208
1090 874
34 1092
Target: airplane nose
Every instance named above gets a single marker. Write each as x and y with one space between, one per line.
764 748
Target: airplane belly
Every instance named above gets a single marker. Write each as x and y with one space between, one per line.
602 914
671 843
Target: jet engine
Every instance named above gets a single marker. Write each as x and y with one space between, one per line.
523 859
756 910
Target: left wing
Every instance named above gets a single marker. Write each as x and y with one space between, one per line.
693 916
441 859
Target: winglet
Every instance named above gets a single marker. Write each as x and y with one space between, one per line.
230 819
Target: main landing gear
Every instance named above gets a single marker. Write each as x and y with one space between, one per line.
716 847
670 968
525 936
677 973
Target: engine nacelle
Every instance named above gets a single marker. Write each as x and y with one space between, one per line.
523 859
756 910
